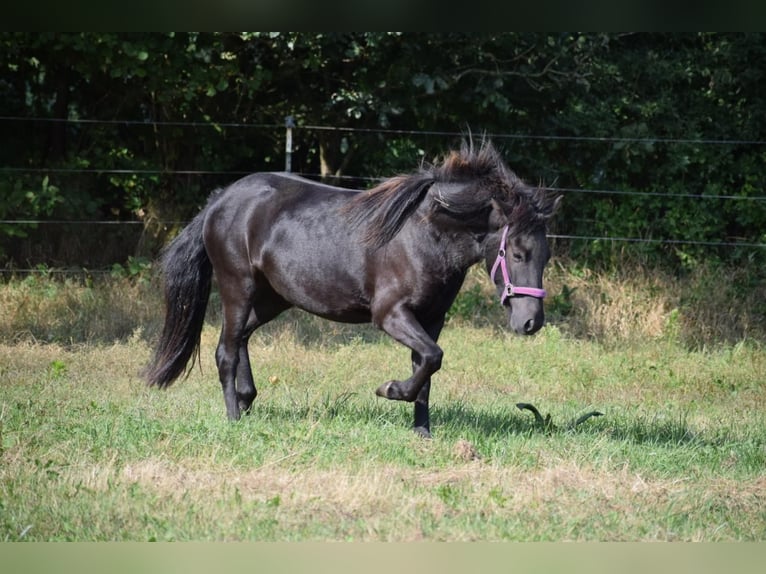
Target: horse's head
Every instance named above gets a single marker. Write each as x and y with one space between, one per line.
476 188
517 253
516 267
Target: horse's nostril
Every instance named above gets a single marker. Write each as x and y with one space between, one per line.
530 327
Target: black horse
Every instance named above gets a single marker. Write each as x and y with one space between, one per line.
395 255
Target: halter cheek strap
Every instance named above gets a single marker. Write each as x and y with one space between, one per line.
510 290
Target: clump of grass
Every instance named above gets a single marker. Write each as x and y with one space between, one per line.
77 309
610 307
722 304
708 306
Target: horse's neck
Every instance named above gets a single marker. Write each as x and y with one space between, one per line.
456 248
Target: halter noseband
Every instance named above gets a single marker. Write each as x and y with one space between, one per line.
509 289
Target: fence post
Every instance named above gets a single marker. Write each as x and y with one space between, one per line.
289 125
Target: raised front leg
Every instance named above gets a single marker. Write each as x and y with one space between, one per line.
402 325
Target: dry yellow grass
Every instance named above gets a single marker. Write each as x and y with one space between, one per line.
707 306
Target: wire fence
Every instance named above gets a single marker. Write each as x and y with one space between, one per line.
386 131
372 180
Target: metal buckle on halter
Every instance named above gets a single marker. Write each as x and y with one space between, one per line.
509 292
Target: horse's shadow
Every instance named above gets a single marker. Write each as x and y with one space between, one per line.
461 420
657 431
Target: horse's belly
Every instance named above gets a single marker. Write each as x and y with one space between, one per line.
338 299
347 316
343 311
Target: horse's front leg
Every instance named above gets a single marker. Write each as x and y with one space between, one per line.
402 325
422 425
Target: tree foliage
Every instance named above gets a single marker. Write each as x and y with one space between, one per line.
144 125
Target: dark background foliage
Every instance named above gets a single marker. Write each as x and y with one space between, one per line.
651 136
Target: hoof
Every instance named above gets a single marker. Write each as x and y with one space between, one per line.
422 432
245 402
383 390
245 406
392 390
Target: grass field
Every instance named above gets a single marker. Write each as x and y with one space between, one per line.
89 453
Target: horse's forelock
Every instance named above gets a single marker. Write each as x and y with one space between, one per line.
488 178
472 163
531 209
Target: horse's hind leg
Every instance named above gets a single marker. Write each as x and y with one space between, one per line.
268 307
246 390
236 310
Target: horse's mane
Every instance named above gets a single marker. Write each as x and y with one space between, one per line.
384 209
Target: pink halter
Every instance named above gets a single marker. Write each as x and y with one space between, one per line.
510 290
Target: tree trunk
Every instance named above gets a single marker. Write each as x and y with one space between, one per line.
332 160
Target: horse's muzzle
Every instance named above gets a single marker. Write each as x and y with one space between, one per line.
526 316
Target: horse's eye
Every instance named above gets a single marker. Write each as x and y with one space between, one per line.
518 257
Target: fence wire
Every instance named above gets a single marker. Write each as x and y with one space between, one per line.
372 180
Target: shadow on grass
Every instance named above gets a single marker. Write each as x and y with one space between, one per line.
635 430
460 419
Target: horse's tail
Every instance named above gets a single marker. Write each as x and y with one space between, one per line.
188 275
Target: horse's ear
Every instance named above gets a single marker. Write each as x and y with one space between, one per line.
500 214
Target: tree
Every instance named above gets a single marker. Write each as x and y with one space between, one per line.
144 125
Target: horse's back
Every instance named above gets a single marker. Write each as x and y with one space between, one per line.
265 200
283 191
292 233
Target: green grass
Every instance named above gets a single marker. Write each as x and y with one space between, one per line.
90 453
